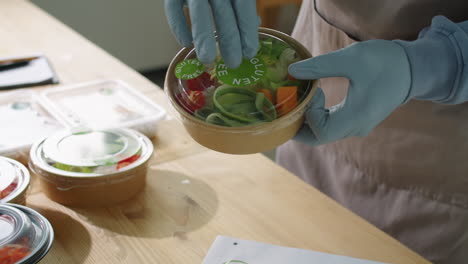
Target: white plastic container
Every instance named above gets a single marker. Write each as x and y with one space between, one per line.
25 235
27 116
14 181
108 104
23 120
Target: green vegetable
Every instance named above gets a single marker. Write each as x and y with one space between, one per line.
203 113
236 103
288 56
265 107
279 71
71 168
278 48
219 119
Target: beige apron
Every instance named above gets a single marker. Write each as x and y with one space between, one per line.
409 177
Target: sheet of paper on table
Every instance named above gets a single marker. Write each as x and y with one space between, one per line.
228 250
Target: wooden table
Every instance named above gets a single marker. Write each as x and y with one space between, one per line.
185 204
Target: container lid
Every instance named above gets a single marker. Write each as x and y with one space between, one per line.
97 151
25 235
7 175
14 179
258 91
91 153
101 104
20 114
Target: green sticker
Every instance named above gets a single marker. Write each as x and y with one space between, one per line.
248 73
189 69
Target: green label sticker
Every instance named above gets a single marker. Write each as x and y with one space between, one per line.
248 73
189 69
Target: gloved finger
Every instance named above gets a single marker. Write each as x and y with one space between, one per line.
316 106
259 21
202 30
317 115
306 136
228 34
331 124
333 64
247 22
178 22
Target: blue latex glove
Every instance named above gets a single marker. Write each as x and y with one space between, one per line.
383 75
236 25
379 74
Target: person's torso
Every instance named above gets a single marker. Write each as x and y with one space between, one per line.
387 19
419 153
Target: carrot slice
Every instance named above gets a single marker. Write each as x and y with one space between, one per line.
286 98
267 94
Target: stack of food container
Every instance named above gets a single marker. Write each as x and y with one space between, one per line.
25 235
82 143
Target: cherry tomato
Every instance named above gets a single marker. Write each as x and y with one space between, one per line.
197 99
127 161
200 83
11 254
194 101
5 192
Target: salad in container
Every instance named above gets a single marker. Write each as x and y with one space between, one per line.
92 167
14 181
25 235
250 109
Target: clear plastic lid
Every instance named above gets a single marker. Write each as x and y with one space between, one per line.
25 235
92 152
8 175
20 114
258 91
14 179
101 104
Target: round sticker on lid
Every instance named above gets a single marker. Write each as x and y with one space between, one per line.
189 69
248 73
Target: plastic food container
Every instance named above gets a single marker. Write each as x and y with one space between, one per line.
251 109
25 235
92 168
108 104
20 113
14 181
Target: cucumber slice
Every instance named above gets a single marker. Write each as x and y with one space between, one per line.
237 103
219 119
265 107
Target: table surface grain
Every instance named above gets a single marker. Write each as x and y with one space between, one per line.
193 194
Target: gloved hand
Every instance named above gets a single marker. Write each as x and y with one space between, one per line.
380 81
236 25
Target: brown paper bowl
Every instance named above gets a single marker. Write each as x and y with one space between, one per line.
91 190
248 139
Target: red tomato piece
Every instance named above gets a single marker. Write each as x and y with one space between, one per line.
5 192
11 254
127 161
200 83
191 102
197 100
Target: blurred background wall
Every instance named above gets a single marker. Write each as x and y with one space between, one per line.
136 31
